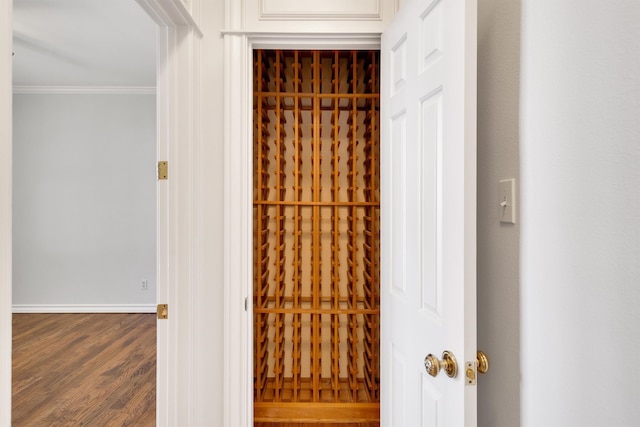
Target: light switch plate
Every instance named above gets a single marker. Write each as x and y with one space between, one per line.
507 200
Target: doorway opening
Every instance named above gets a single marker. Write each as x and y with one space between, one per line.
316 225
84 224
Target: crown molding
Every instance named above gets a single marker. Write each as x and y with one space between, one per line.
174 12
85 90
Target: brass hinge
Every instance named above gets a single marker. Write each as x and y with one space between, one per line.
163 311
163 170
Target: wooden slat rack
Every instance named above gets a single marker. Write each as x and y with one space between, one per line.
316 237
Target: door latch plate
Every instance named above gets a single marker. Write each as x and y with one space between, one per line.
470 373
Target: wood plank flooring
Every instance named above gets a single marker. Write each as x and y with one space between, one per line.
84 370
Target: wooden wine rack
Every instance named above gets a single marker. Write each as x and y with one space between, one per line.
316 299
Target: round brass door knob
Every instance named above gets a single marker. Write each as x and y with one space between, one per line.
448 364
483 362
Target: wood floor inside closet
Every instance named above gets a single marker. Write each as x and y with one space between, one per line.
84 369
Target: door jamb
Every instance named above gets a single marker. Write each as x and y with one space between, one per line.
238 196
6 46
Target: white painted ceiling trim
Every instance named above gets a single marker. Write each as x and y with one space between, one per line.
163 11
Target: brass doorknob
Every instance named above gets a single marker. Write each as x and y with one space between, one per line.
448 364
483 362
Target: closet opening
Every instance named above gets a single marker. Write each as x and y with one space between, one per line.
316 227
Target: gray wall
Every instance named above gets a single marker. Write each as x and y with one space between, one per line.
580 245
84 199
498 286
566 293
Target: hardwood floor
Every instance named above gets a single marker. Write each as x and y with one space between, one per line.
84 370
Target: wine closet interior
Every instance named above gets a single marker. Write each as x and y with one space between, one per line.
316 210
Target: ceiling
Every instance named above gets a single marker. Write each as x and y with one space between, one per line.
93 43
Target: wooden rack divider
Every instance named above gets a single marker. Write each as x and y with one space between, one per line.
316 299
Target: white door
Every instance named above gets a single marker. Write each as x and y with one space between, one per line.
428 195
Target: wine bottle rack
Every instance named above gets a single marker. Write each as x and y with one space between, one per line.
316 302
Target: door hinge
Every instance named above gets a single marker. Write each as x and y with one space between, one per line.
163 170
246 304
163 311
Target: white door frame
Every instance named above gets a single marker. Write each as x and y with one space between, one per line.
6 45
238 223
177 89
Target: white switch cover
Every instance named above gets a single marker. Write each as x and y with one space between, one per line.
507 201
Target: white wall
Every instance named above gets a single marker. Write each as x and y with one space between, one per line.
498 286
580 250
84 199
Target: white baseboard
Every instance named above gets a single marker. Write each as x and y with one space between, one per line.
84 308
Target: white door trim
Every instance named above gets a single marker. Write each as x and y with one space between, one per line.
178 138
238 238
178 86
6 97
